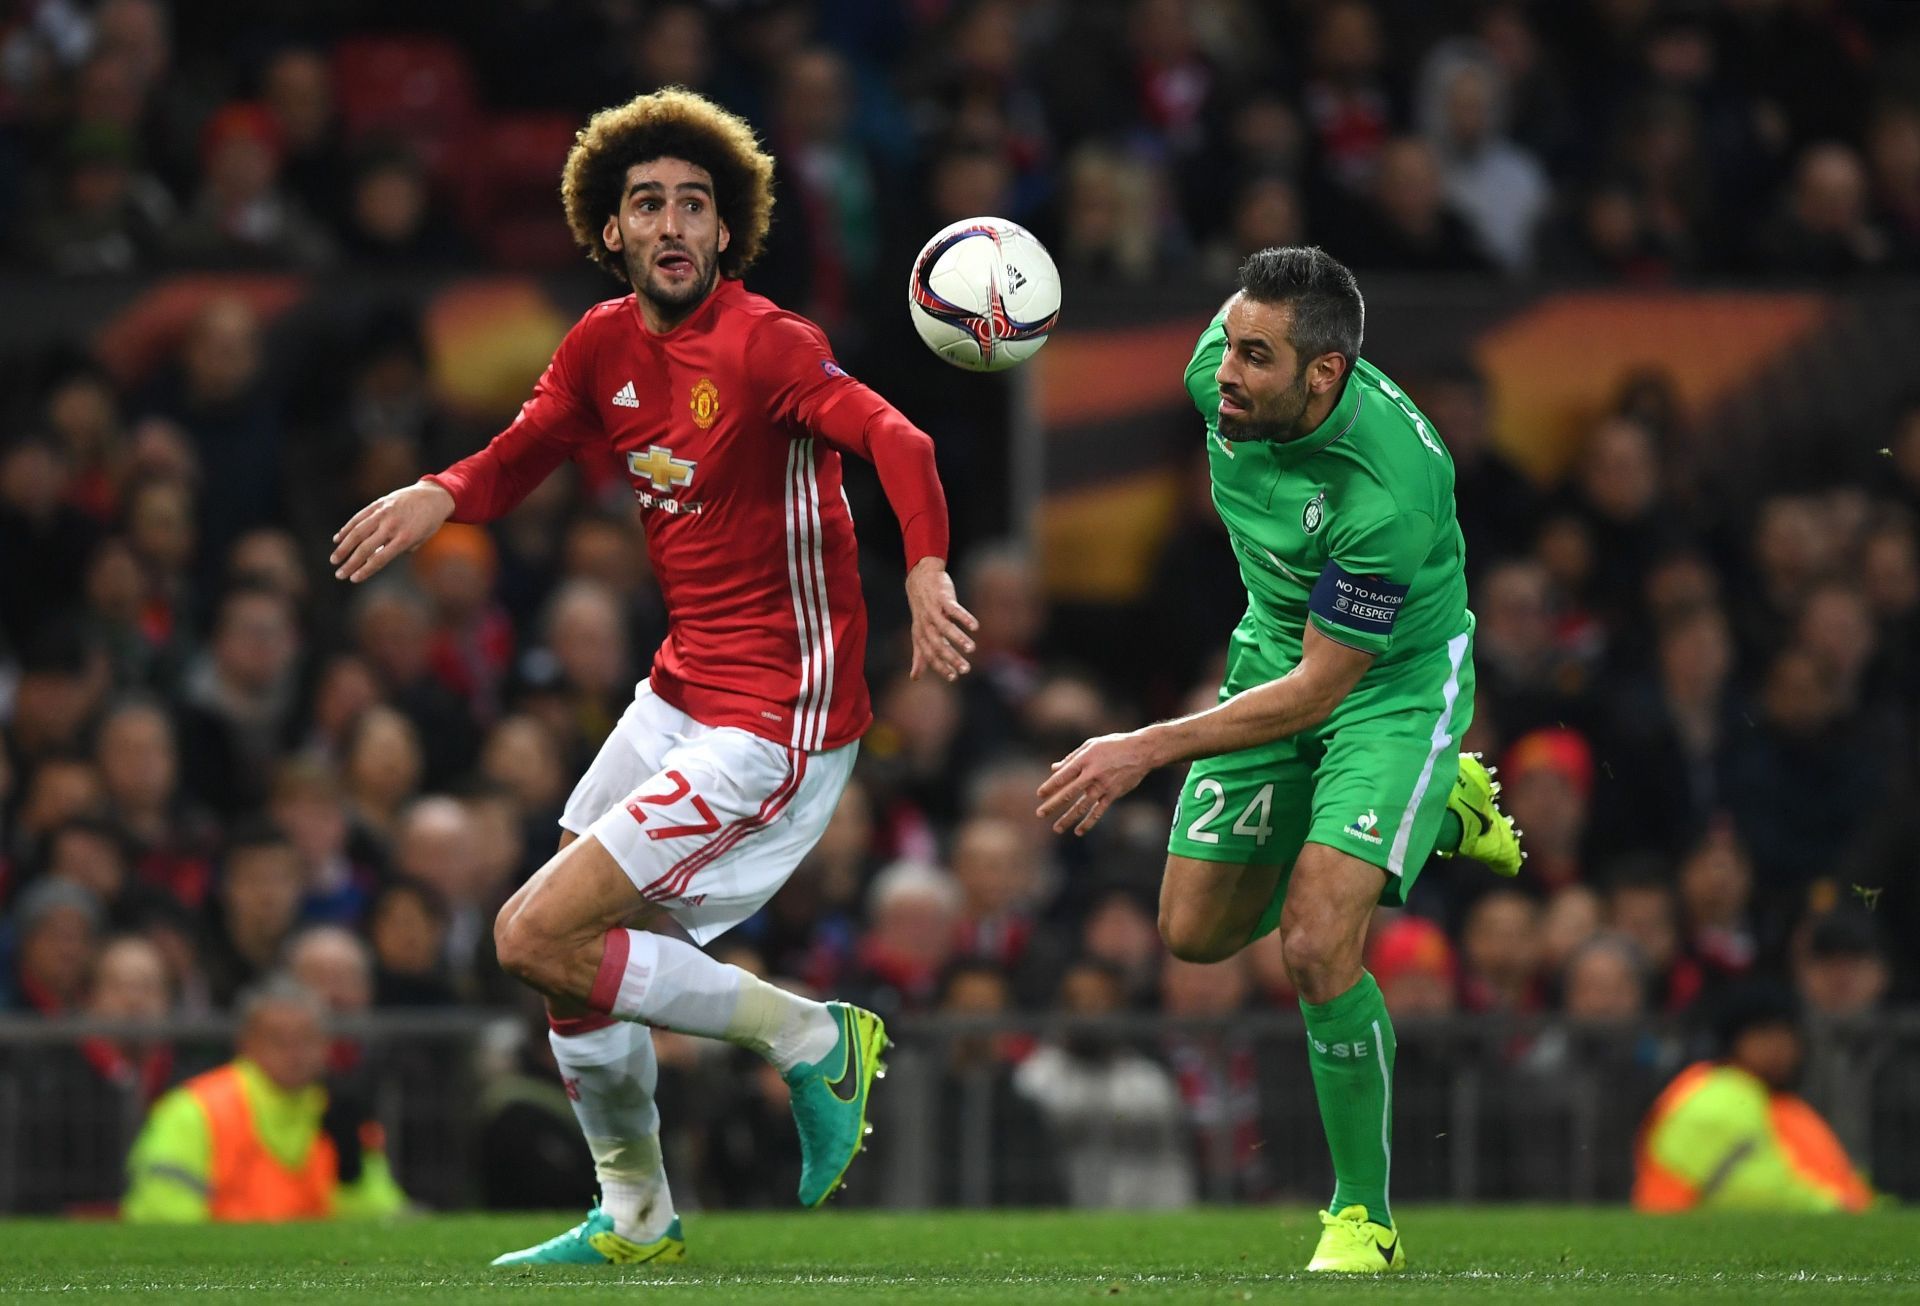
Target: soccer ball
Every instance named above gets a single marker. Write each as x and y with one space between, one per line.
984 294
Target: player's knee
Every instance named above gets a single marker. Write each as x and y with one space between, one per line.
1190 936
1316 962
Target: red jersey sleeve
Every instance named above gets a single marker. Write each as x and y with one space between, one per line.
551 427
806 388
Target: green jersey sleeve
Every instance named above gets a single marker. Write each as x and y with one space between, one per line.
1373 565
1201 387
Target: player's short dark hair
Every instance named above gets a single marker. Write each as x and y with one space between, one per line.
671 123
1329 316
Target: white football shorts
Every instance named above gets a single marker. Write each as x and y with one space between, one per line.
708 822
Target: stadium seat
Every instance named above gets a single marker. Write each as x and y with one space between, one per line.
419 88
511 195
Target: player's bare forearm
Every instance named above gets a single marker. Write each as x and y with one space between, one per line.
941 627
1101 771
1277 709
391 525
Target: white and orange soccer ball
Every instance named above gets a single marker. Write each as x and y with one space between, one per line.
984 294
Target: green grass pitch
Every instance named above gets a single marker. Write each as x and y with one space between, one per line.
1477 1255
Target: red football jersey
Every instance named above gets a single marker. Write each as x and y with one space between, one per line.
730 428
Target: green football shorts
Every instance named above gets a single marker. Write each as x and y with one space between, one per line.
1372 781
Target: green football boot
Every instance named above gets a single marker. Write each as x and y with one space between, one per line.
1487 834
830 1101
1350 1243
593 1242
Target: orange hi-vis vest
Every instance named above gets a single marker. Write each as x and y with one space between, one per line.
246 1180
1811 1152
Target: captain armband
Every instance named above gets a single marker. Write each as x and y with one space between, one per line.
1365 605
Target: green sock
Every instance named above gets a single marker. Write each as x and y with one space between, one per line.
1350 1047
1451 833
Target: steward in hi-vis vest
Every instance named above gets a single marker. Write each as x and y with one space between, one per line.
247 1140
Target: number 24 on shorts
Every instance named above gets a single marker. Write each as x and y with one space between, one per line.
1255 822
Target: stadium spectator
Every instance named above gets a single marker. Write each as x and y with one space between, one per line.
522 756
62 787
172 839
434 844
1893 155
1414 965
1840 965
1500 953
381 768
218 392
251 1140
1549 782
1641 906
241 704
1115 1114
392 221
1496 187
407 924
1217 1070
1496 503
1571 917
296 89
1605 981
105 216
914 909
471 648
36 521
832 194
1804 750
129 983
242 217
56 928
1350 111
1670 743
1716 893
1110 223
393 632
1410 225
1119 932
338 873
333 964
92 853
1825 227
1519 656
1729 1135
1017 1166
256 906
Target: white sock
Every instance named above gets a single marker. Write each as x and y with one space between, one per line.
674 985
611 1075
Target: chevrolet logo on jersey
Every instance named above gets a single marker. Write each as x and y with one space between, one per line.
659 465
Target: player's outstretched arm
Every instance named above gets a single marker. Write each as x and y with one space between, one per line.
391 525
941 627
1090 779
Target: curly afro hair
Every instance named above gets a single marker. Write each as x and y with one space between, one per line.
671 123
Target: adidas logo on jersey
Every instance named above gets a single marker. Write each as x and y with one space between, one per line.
624 397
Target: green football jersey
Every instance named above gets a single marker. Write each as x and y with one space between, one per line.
1351 527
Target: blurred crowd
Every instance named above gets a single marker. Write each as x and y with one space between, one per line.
218 763
1634 140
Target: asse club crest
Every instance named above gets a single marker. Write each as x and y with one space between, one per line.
1314 513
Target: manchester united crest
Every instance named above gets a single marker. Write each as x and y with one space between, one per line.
705 403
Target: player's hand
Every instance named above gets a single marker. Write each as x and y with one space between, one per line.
391 525
941 627
1092 778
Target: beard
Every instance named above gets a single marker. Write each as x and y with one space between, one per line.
674 301
1277 420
